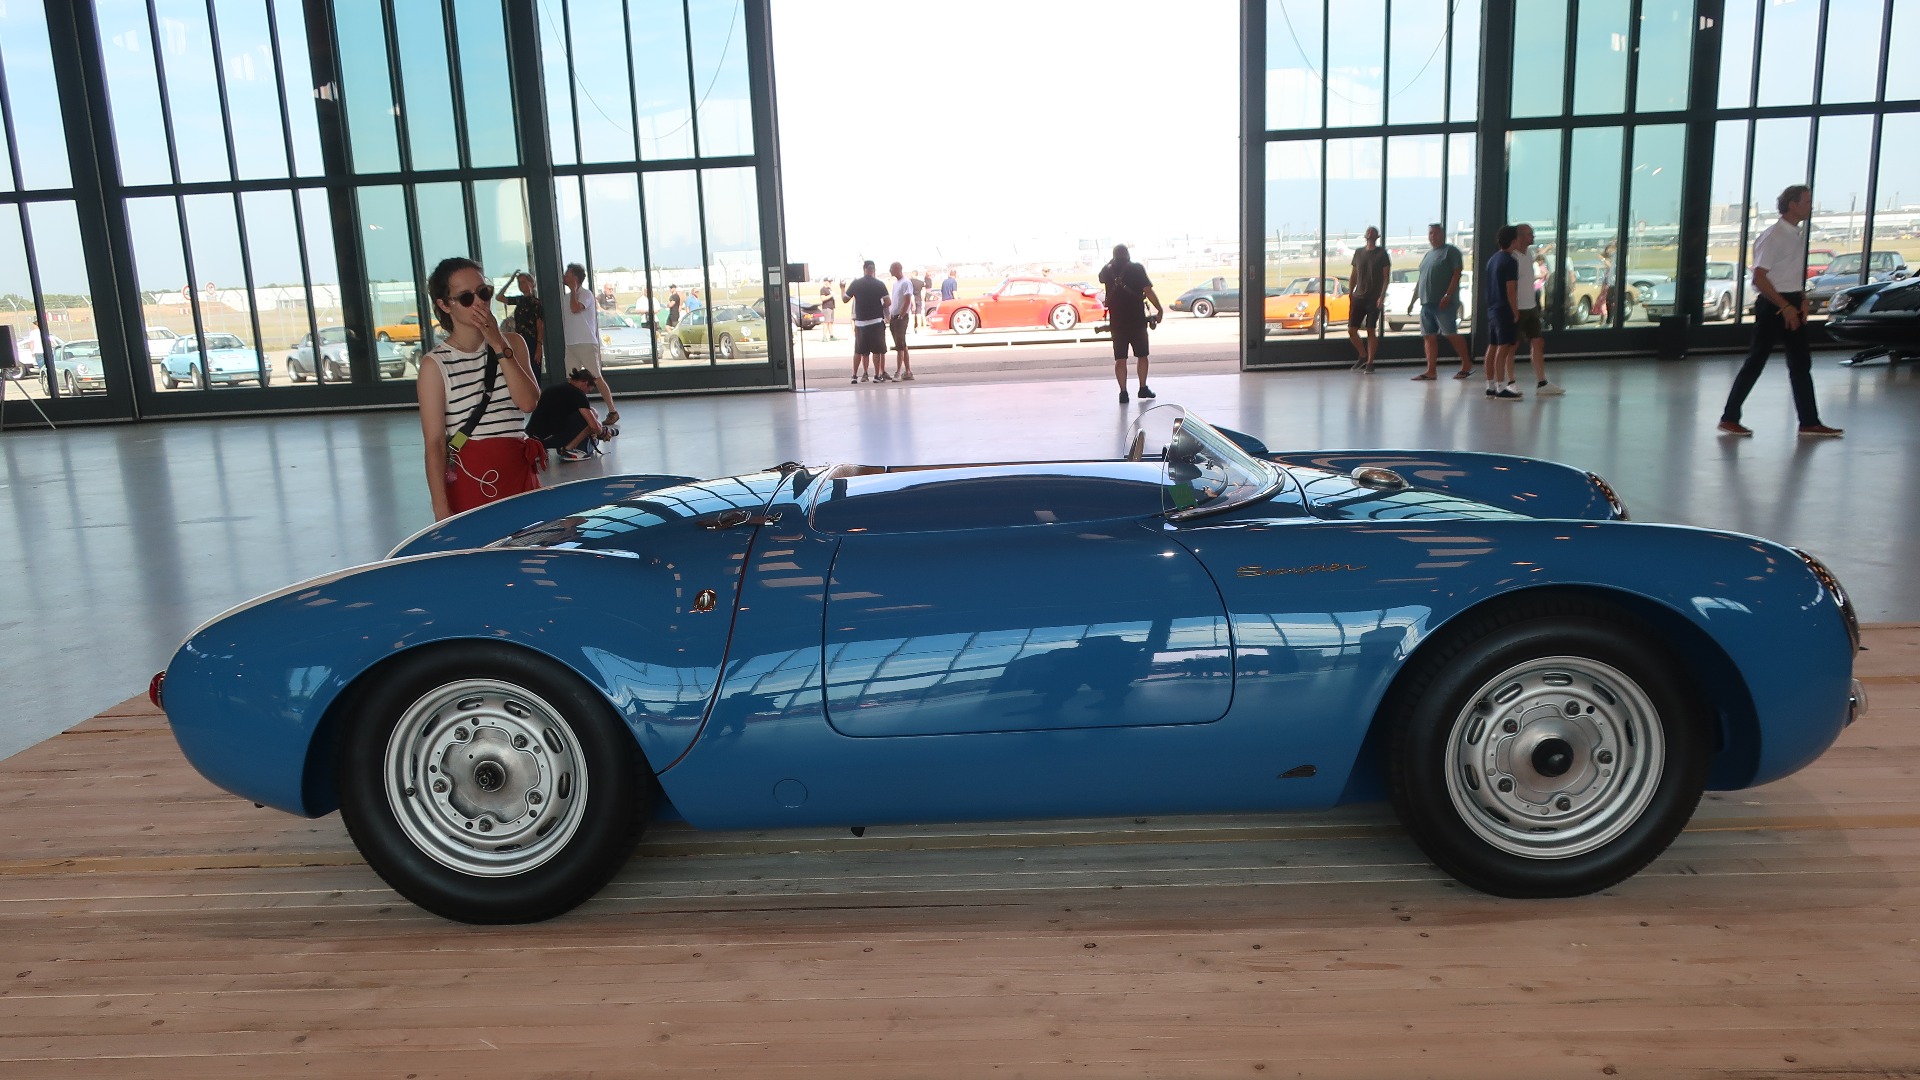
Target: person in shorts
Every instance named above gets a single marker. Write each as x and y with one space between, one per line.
1371 268
900 309
868 295
1128 291
1502 275
1531 264
1438 290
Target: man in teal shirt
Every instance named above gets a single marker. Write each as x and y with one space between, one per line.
1438 290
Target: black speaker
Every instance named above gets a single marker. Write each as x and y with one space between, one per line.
8 358
797 272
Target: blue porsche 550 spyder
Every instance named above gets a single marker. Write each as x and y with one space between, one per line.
1541 687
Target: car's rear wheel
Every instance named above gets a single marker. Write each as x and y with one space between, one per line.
382 335
1063 317
294 373
676 349
1203 308
490 785
1724 309
965 321
198 376
1547 751
167 380
1584 311
725 347
68 387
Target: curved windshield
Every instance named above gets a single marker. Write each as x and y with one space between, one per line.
1844 264
1203 472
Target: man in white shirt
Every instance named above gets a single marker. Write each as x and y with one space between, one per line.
1528 321
899 315
1780 316
581 319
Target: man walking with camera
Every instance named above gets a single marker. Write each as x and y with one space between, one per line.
1128 290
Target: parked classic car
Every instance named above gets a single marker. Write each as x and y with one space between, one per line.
1542 689
1403 302
1883 317
1210 296
1307 302
1844 273
160 341
1659 296
625 339
736 331
78 368
227 361
1019 301
407 329
1818 259
333 347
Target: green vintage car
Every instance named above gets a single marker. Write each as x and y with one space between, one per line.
735 331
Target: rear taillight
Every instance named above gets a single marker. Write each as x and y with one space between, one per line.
155 690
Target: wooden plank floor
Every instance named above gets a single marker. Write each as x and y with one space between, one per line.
151 926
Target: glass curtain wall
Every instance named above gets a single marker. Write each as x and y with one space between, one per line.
1370 113
650 112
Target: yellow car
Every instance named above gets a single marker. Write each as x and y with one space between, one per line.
1298 304
407 329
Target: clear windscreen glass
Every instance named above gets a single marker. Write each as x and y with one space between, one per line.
1203 472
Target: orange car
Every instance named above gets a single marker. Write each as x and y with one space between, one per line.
1020 302
1298 304
407 329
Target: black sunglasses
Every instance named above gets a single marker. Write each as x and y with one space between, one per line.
484 293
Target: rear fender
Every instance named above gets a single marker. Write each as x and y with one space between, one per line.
1540 489
485 524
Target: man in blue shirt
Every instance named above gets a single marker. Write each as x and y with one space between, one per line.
1502 276
949 288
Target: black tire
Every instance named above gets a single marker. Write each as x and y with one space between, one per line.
382 335
197 375
1724 309
1320 321
294 374
1583 312
167 380
1626 729
676 349
67 386
1202 308
725 346
542 730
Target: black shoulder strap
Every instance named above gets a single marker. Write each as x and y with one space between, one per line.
486 395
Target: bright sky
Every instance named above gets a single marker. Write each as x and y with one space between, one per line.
986 130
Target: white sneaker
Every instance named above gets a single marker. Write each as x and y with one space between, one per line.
1549 389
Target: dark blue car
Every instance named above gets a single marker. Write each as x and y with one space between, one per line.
1542 688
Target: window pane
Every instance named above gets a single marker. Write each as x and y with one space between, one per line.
62 268
422 36
1727 213
290 22
193 93
279 285
1894 220
1354 65
1853 39
225 304
1587 278
505 242
393 290
1903 44
620 263
1736 55
1466 60
1539 59
740 305
1840 189
1295 29
366 90
1600 57
1460 202
491 136
38 128
600 69
324 274
1653 239
1293 240
1417 62
133 91
660 81
441 210
573 231
1354 169
1786 52
160 268
673 245
1533 181
724 121
253 90
558 77
16 293
1666 55
1416 184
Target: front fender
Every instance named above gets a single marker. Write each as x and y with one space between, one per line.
250 696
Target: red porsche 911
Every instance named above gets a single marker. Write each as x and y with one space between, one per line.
1019 301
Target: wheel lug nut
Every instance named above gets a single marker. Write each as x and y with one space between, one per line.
461 734
1510 725
1573 708
440 787
1563 803
487 826
1506 784
519 742
533 797
1604 757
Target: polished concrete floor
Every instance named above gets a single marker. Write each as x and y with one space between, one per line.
120 540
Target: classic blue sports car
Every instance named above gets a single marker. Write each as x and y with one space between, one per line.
227 360
1541 687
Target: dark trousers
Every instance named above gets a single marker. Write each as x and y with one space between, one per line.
1769 332
570 429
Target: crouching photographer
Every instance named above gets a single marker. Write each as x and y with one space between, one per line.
565 421
1128 292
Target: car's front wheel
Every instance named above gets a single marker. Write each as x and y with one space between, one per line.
1203 308
198 376
167 380
1547 751
724 346
489 785
68 387
1320 321
965 321
294 373
676 349
1724 309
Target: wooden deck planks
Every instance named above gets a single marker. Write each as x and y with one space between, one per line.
152 927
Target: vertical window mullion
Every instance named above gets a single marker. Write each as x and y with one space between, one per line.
6 130
239 210
693 94
299 216
166 96
33 287
573 95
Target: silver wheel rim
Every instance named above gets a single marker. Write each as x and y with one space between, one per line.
1555 757
1202 308
485 778
1064 318
964 322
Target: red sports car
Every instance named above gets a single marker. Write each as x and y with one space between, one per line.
1019 301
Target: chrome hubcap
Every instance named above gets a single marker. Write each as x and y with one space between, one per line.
485 778
1555 757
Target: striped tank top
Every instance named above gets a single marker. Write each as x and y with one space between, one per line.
462 373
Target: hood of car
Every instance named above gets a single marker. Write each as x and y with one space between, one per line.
231 360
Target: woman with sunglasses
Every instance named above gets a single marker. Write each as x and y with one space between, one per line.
473 424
